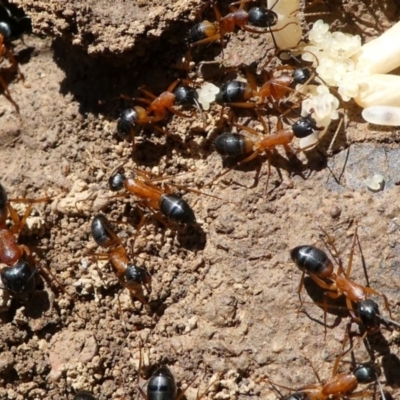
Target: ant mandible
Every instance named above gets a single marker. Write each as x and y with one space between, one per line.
208 32
154 197
315 262
130 276
157 110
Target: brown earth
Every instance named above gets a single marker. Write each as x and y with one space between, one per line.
224 295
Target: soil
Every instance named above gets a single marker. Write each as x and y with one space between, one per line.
223 305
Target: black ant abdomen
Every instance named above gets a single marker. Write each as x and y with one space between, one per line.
305 126
365 373
233 144
162 385
185 95
201 31
101 231
19 279
301 75
127 123
116 182
84 396
233 92
312 260
176 208
11 27
262 17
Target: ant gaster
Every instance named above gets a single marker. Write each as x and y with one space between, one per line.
130 276
84 395
154 197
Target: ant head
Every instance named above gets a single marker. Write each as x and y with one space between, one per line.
19 279
185 95
116 182
365 373
100 229
305 126
162 378
262 17
301 75
5 29
368 312
136 274
126 125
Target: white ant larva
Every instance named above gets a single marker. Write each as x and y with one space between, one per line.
382 115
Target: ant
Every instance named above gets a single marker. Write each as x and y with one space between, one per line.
18 275
154 197
339 385
208 32
11 29
237 93
130 276
315 262
158 107
235 144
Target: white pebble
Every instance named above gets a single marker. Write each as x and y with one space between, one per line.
382 115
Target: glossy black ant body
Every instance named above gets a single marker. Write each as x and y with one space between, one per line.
84 395
157 110
132 277
154 197
316 263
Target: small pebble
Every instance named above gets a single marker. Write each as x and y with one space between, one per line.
375 183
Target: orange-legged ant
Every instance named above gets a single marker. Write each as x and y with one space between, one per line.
157 110
11 28
154 197
208 32
238 94
315 262
130 276
339 385
235 144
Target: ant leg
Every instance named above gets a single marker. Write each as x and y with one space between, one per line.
355 238
178 113
141 391
7 94
173 85
141 99
209 39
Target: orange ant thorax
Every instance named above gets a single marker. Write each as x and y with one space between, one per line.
144 191
350 288
10 251
163 101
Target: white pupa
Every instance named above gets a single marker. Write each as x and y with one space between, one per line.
382 115
382 54
378 90
287 12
